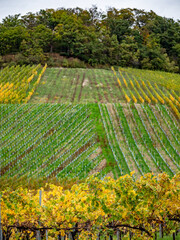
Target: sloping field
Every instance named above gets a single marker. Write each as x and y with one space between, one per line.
60 126
139 141
98 85
74 141
18 83
77 85
82 121
46 140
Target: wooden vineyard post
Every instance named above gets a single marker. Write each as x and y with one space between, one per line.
46 234
110 237
174 236
160 230
70 236
130 235
119 235
38 236
0 221
98 236
74 234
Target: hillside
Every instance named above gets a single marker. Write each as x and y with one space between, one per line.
76 85
62 127
83 121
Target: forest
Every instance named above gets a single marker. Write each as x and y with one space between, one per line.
77 37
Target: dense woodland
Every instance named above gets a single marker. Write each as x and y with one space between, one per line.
90 37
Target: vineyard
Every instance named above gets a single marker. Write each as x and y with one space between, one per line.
17 84
94 209
65 125
48 140
72 141
96 85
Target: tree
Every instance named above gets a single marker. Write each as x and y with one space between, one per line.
12 21
176 53
67 32
119 22
11 38
154 57
44 37
30 20
129 53
31 53
45 17
167 31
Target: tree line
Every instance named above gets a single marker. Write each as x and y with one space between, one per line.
123 37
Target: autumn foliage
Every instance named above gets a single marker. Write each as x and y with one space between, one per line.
96 206
17 84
